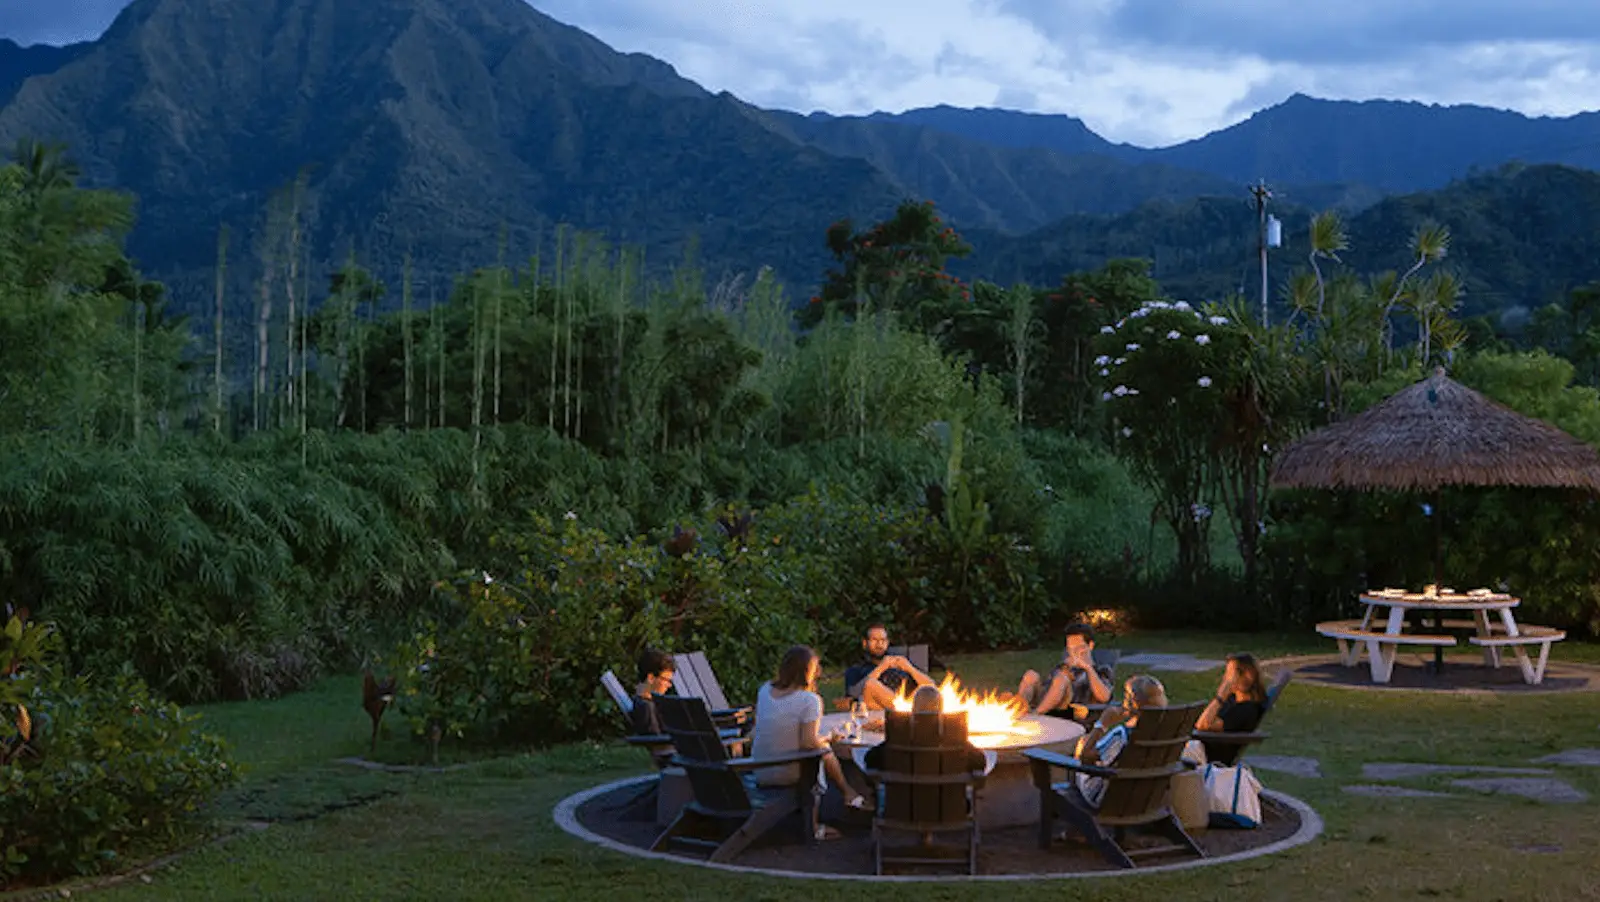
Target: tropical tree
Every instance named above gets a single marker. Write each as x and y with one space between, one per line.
896 265
1328 238
1430 243
1167 374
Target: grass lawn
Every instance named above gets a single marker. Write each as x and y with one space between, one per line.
485 831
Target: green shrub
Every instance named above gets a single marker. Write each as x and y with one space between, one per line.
522 658
518 656
110 769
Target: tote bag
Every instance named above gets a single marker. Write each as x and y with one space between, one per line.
1235 796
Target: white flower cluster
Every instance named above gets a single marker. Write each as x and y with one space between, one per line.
1105 362
1149 307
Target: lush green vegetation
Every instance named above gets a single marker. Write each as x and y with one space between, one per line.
485 830
92 769
498 495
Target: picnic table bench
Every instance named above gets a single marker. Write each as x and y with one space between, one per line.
1381 642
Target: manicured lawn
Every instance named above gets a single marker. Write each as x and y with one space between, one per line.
485 831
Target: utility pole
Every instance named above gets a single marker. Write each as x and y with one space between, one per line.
1262 193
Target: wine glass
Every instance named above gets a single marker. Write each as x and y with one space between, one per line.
858 716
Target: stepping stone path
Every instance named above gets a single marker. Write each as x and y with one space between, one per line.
1181 663
1529 782
1408 771
1577 757
1286 764
1395 792
1540 789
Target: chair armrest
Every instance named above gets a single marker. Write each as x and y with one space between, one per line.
648 739
1048 758
775 760
653 739
740 714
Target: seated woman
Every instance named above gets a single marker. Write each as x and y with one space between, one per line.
788 710
1109 735
1240 703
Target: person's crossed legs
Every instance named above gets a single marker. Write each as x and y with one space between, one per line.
1044 697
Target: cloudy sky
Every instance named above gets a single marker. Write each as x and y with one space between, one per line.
1150 72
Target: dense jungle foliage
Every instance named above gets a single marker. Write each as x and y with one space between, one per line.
501 493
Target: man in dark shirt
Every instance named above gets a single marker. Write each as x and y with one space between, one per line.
1077 680
880 676
655 678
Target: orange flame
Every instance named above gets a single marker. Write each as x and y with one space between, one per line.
987 713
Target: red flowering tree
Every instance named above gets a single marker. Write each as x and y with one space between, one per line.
896 265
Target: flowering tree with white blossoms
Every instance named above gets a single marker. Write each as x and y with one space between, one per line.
1167 371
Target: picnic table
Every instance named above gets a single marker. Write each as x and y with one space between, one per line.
1383 629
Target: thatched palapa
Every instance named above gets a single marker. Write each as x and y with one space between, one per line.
1433 434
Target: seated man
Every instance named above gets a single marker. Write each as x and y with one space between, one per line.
655 678
1077 680
878 678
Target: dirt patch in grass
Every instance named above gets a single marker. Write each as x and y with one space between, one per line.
1011 851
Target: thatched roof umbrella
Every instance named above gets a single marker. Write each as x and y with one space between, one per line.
1433 434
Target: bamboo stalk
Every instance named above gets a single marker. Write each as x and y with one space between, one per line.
216 335
405 333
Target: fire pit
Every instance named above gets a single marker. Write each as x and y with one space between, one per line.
1008 797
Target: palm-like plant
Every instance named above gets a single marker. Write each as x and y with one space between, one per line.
1430 243
1431 304
1328 238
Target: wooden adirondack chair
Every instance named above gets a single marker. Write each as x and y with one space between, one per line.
1137 788
919 655
1228 748
659 745
929 786
727 815
694 678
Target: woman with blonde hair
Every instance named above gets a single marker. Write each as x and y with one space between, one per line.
1109 735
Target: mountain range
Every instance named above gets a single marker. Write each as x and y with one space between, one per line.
442 127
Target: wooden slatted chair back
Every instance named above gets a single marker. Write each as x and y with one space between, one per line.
1276 689
618 694
717 787
1139 792
926 767
918 655
694 678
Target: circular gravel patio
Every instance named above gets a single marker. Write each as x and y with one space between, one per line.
1462 673
1007 854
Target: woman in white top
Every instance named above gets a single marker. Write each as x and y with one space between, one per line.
788 711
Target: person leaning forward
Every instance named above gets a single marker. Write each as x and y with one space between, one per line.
1077 680
880 676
